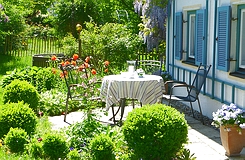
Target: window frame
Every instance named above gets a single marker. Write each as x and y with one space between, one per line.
240 8
190 59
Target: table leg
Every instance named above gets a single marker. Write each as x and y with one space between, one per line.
122 105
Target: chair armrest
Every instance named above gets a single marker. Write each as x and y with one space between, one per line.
169 84
188 87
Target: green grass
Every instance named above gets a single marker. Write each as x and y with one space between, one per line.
7 156
9 63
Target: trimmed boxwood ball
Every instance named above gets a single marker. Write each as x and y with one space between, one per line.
17 115
102 147
55 146
155 132
19 90
16 139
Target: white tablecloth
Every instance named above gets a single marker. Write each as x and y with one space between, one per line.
147 90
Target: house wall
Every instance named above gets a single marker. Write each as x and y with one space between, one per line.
221 87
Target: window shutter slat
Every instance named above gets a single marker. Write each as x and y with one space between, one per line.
200 37
223 43
178 35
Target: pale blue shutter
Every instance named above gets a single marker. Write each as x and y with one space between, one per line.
223 41
200 37
178 35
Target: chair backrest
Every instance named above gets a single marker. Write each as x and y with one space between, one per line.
72 75
150 66
199 79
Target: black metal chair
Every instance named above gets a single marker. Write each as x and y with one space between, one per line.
74 83
192 91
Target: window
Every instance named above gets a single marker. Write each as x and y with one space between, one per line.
191 34
241 36
240 47
196 37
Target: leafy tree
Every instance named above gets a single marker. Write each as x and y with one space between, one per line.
66 14
111 41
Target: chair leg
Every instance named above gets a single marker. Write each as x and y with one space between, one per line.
200 110
67 99
192 111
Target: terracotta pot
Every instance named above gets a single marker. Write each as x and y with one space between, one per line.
232 140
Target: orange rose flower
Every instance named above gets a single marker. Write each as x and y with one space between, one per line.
93 71
67 62
61 75
75 57
106 63
73 63
106 70
87 59
81 67
62 63
53 58
86 65
53 70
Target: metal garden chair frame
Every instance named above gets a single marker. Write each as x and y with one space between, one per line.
73 84
192 91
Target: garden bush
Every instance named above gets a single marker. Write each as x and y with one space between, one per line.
55 146
19 90
74 155
155 132
41 78
16 139
48 78
35 148
102 147
28 74
81 133
52 102
17 115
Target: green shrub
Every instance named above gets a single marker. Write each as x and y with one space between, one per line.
41 78
52 102
74 155
47 79
17 115
16 139
19 90
82 132
55 146
155 132
102 147
35 149
28 74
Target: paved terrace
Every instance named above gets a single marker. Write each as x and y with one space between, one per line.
204 140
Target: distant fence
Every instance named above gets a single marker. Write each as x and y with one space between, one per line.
150 56
35 45
27 46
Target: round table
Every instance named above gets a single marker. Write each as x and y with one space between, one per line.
147 90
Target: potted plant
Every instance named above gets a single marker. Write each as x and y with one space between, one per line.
231 121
